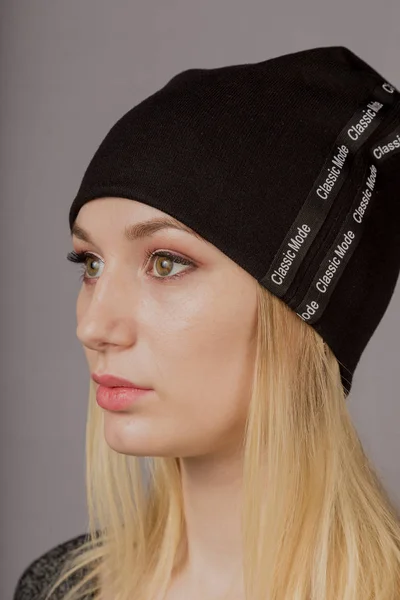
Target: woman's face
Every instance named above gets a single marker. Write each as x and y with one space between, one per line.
190 338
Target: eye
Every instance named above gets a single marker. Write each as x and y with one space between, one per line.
163 266
83 259
165 261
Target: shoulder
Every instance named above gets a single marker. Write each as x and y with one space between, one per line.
42 572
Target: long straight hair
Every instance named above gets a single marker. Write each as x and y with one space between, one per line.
317 523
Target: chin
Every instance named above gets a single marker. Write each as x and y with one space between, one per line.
132 440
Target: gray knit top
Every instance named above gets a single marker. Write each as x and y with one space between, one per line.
41 573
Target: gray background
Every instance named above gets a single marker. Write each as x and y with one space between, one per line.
68 71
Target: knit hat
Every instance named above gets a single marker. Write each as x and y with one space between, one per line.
290 166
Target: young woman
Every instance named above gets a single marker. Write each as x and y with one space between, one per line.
239 238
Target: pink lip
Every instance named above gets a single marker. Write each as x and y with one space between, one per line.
118 398
111 381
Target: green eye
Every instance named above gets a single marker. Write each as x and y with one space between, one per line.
164 263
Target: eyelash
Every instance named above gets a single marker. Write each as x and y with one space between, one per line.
81 257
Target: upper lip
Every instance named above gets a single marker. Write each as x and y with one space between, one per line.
108 380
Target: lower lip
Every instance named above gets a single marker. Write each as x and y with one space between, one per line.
118 398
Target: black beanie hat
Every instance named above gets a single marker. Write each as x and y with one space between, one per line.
290 166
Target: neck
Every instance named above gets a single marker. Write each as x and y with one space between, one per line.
212 491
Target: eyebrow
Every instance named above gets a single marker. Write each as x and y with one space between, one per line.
140 230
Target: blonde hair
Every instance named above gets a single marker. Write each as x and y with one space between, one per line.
317 523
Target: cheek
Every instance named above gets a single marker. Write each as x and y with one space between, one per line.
207 371
203 402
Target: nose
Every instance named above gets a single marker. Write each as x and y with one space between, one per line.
105 316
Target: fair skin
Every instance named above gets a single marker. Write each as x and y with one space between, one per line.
192 340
